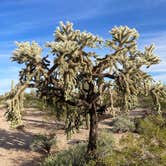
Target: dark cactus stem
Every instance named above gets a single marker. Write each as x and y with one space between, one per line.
93 133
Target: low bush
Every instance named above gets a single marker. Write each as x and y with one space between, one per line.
123 124
146 148
105 143
43 143
76 155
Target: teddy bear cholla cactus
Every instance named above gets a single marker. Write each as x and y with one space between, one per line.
30 55
75 80
158 93
15 104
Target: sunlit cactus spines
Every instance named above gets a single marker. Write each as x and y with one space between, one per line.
158 93
83 84
27 52
15 105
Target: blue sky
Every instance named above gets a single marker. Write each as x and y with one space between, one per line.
27 20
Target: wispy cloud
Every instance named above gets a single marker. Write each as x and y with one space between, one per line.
159 39
19 28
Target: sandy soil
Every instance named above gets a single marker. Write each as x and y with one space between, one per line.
14 143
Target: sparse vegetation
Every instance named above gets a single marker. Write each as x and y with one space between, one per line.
123 124
43 143
146 148
77 155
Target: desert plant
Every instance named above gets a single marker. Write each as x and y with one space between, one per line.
32 101
75 81
43 143
123 124
105 142
14 104
146 148
76 155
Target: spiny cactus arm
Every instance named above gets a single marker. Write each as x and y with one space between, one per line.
27 52
70 59
126 52
34 68
15 97
15 105
124 65
123 43
158 93
65 32
59 94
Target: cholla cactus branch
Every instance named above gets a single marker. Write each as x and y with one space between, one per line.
75 81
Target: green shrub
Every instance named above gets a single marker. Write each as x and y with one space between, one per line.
151 125
43 143
148 148
123 124
145 102
144 149
76 155
31 101
105 143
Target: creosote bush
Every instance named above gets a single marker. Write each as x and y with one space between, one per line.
32 101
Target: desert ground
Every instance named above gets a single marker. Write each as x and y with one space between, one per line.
14 143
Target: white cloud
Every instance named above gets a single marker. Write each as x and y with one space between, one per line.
159 39
20 27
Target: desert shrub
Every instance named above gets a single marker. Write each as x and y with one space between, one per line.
163 106
33 101
43 143
123 124
105 143
1 99
76 155
151 125
146 148
147 102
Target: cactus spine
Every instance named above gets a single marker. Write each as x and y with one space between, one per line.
15 105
